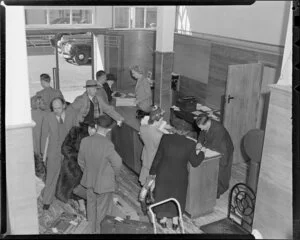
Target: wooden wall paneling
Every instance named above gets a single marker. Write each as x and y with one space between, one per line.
221 57
192 87
191 58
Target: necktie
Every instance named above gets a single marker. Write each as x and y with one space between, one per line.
96 107
61 120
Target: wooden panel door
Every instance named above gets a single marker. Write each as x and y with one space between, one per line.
241 103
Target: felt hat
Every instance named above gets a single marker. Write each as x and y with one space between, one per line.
91 83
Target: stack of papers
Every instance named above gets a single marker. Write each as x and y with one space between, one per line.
203 108
125 102
175 108
210 153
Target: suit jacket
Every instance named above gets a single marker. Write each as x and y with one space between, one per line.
143 94
38 117
100 163
50 129
81 105
151 138
102 93
48 94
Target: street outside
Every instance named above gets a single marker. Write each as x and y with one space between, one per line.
72 77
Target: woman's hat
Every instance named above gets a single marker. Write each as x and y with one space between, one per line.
91 83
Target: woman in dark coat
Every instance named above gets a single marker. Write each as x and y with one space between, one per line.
213 135
170 167
70 173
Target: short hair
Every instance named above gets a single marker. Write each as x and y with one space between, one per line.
202 120
155 114
104 121
54 99
45 77
138 69
100 74
87 124
111 77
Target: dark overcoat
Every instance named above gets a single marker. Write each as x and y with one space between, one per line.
170 167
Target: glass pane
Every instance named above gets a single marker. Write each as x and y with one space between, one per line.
121 17
139 17
151 17
59 16
82 16
34 16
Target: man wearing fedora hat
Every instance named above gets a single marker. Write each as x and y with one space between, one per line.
90 105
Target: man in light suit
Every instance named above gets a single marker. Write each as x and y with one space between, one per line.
56 125
100 164
90 105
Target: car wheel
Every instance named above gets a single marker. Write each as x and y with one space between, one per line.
81 57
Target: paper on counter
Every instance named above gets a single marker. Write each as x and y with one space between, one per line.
175 108
204 109
131 94
125 102
198 106
210 153
196 113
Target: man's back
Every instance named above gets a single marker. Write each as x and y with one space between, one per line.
101 163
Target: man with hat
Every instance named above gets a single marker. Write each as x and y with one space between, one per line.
48 93
90 105
100 164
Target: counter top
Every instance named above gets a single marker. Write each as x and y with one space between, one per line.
129 114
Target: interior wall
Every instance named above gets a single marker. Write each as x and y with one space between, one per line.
138 49
264 21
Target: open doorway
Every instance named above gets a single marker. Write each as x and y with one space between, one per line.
74 65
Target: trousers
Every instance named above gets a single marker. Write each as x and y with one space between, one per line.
98 206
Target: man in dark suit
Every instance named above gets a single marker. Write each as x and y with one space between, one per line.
104 87
213 135
100 164
55 127
48 93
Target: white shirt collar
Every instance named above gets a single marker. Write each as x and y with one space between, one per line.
63 116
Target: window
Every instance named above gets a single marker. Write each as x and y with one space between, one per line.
35 16
61 17
135 17
122 17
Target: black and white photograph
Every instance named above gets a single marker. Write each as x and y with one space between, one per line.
148 119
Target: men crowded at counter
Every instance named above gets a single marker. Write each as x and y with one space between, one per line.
90 105
82 161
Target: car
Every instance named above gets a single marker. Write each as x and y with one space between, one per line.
74 47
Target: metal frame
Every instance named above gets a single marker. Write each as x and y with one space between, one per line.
161 202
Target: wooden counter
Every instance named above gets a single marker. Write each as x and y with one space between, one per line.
127 140
203 180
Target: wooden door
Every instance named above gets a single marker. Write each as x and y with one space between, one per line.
241 103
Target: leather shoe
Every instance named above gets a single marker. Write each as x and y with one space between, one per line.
163 225
174 226
46 206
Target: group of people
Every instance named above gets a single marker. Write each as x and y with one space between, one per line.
82 163
165 158
60 134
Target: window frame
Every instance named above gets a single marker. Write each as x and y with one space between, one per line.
131 20
48 9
